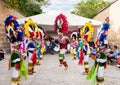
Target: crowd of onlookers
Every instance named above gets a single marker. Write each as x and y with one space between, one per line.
51 46
112 53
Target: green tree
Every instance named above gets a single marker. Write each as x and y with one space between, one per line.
89 8
28 7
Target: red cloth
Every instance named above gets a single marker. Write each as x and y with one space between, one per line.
119 60
31 34
81 58
85 37
17 66
33 58
63 43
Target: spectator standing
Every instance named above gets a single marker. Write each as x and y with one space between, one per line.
48 46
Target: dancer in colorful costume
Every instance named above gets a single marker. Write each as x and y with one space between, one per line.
74 44
40 45
97 70
63 48
14 64
61 27
86 51
80 51
102 65
32 31
14 33
32 56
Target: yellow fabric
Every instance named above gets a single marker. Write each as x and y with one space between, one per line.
60 58
95 40
42 50
90 32
26 26
12 24
72 51
15 80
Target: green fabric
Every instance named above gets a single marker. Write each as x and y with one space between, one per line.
23 70
100 79
37 44
94 75
103 56
80 45
14 56
61 55
101 64
85 63
91 72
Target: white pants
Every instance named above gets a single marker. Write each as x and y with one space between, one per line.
15 73
100 71
30 55
86 58
62 51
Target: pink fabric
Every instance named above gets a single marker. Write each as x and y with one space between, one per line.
64 28
74 45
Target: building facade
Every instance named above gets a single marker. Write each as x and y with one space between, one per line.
114 14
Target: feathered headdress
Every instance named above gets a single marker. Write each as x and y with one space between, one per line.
32 30
103 32
61 24
74 34
14 31
86 31
42 32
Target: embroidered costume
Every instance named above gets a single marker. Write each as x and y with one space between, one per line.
14 65
74 43
63 48
32 56
86 51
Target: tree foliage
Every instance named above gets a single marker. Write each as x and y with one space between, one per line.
89 8
28 7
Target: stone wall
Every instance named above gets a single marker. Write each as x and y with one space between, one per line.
4 11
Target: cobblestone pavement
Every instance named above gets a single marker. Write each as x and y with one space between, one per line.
49 73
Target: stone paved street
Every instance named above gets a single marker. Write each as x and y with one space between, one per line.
49 73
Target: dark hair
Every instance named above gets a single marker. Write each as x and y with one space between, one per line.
111 52
115 47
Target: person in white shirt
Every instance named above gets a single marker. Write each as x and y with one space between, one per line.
106 42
